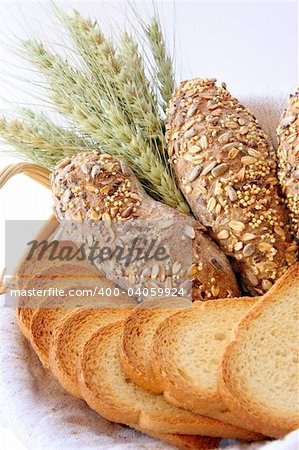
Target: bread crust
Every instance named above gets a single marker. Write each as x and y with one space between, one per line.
59 277
227 170
184 441
288 157
88 187
134 356
170 372
261 416
70 336
104 387
44 272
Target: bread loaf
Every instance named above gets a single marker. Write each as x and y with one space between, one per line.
260 366
227 170
288 156
97 188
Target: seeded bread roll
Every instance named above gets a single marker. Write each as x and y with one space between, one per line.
226 168
99 190
288 156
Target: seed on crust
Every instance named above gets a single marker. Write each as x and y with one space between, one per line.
248 160
248 250
219 170
211 204
194 174
208 168
236 226
203 142
232 194
223 234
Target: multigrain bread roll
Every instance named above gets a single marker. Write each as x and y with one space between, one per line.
288 156
226 168
98 190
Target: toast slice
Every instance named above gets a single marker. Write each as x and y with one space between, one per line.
52 267
53 309
107 390
139 330
70 336
185 441
51 257
186 354
260 368
65 352
56 277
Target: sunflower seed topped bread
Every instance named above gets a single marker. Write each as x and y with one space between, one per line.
186 354
288 156
260 366
107 390
226 168
70 337
97 188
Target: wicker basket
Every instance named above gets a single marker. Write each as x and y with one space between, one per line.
41 176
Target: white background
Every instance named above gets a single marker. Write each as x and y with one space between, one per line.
253 46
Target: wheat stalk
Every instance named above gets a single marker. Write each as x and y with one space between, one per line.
123 70
163 61
110 102
101 117
37 138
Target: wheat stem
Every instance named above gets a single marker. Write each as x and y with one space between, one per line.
37 138
106 123
163 61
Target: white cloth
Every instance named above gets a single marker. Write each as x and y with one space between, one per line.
45 417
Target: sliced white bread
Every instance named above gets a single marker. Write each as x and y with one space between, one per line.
185 441
45 258
112 394
50 278
259 376
54 309
187 351
69 339
65 352
139 329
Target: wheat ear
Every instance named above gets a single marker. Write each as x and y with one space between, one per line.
164 64
37 138
74 94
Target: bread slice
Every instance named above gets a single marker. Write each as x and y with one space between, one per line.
186 354
42 271
51 257
65 351
70 336
53 309
184 441
139 329
112 394
260 369
58 277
